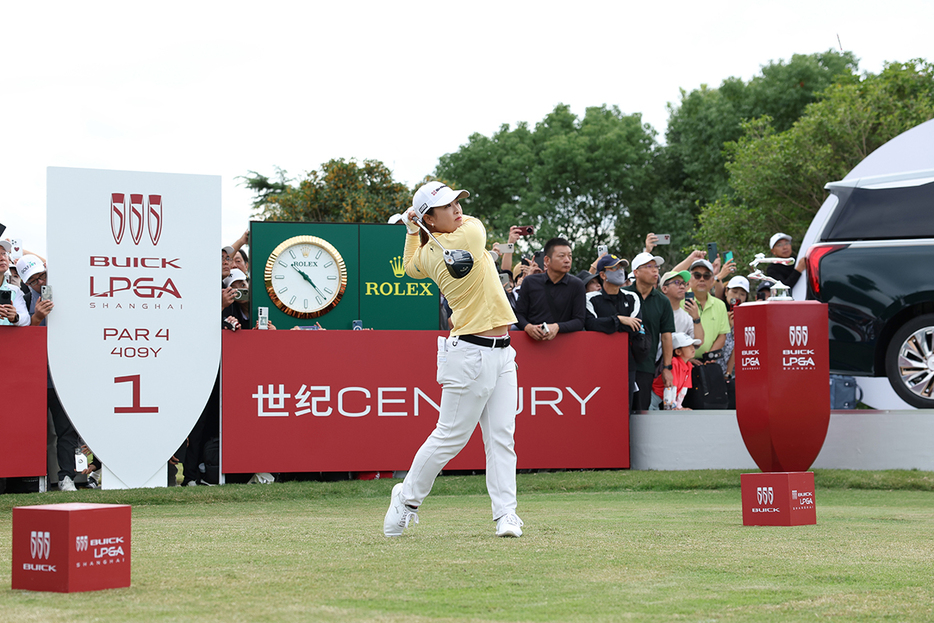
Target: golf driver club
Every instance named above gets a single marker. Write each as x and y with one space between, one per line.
457 261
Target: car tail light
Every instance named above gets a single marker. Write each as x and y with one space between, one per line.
815 254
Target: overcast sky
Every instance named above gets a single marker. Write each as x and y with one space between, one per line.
222 88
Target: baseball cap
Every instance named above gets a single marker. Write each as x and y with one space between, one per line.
587 276
6 245
610 260
738 282
235 275
671 274
29 265
645 258
680 340
703 263
434 194
764 285
774 239
229 251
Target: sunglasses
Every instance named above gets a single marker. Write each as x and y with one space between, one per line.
702 275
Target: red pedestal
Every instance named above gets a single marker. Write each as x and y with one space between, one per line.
778 499
782 382
66 548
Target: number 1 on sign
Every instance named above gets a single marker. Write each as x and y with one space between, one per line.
136 408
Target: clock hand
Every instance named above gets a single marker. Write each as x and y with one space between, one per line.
308 279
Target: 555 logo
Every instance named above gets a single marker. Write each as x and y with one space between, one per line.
136 215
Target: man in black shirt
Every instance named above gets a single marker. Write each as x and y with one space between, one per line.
614 310
551 302
781 247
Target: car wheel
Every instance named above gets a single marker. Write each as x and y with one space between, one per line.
909 362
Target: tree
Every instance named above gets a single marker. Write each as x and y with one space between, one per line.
341 191
588 179
707 118
778 178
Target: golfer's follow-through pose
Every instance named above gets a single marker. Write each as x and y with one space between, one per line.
476 364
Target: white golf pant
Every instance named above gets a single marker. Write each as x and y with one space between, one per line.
478 386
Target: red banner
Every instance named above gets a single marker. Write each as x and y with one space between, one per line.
308 401
23 418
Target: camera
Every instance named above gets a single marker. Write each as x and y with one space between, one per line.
241 294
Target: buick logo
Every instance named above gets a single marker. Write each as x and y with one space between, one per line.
750 336
40 544
798 336
764 495
137 216
81 543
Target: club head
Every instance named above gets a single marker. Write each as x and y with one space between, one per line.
458 262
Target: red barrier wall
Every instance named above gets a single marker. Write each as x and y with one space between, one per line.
307 401
23 415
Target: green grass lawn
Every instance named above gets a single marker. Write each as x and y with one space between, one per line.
598 546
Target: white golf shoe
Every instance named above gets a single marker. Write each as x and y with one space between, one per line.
399 515
509 525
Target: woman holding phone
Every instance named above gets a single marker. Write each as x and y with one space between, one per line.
476 364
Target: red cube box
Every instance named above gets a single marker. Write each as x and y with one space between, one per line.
778 499
68 548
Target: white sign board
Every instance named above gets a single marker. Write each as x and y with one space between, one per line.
134 338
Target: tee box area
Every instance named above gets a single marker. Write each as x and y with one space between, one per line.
66 548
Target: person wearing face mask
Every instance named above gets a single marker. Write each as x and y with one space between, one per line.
614 310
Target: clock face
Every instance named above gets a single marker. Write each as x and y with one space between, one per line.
305 277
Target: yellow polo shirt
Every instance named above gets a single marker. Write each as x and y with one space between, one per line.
478 300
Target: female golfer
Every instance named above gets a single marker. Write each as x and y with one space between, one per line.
476 365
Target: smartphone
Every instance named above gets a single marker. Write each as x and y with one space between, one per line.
664 239
358 325
540 259
527 230
46 293
6 297
688 296
728 257
602 250
81 460
544 327
262 317
504 248
504 279
711 252
312 327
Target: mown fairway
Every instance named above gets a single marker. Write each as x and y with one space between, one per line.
598 546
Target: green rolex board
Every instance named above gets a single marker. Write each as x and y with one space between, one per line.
378 292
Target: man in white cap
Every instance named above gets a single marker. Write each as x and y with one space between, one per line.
658 321
13 309
781 247
32 271
713 315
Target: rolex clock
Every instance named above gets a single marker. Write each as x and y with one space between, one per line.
305 277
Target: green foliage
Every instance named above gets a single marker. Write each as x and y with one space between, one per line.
707 118
588 179
341 191
778 178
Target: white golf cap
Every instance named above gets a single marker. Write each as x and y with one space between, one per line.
29 265
774 239
6 245
703 263
738 282
644 258
680 340
235 275
229 251
434 194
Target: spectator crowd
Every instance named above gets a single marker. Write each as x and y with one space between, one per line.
679 325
